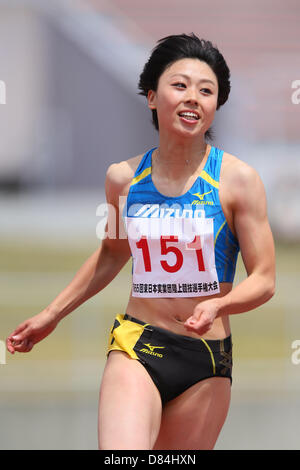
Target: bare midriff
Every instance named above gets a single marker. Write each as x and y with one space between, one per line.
171 313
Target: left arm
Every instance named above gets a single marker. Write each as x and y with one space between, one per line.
253 231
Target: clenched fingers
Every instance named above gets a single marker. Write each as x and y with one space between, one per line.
24 345
19 340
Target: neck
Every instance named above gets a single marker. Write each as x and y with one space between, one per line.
180 158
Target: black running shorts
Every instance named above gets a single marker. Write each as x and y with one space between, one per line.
174 362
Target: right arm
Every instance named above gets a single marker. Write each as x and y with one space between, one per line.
105 263
93 276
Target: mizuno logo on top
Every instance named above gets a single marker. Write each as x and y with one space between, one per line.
157 210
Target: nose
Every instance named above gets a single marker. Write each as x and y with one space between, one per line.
191 97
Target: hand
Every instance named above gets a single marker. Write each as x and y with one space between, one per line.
30 332
203 317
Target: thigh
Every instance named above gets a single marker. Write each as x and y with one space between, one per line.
129 405
194 419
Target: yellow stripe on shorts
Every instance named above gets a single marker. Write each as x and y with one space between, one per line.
211 356
125 336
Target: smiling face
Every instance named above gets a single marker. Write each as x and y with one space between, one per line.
186 98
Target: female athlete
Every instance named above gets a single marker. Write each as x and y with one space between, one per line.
190 207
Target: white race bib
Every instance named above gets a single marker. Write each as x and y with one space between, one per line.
172 257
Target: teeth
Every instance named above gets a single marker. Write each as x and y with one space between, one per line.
188 114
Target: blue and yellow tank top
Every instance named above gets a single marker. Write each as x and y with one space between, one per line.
181 246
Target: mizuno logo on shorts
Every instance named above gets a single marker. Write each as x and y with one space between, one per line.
151 351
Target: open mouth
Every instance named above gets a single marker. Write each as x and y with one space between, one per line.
189 115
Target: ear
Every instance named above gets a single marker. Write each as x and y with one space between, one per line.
151 98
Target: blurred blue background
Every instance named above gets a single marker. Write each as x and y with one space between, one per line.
69 106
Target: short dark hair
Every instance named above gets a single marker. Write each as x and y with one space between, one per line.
182 46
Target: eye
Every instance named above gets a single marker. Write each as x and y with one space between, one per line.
207 91
179 85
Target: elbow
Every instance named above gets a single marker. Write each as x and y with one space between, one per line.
270 289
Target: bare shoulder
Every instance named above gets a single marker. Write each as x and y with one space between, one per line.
236 168
119 176
239 176
240 181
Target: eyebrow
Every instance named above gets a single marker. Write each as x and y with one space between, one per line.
207 80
